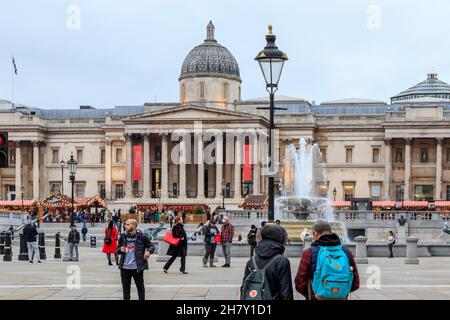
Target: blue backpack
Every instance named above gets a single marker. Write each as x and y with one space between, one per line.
333 275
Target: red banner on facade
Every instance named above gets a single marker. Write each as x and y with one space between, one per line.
247 170
137 163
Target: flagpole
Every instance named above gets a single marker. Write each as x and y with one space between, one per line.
12 82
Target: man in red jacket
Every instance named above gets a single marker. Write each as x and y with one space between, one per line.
322 237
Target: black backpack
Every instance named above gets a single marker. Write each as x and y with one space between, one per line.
255 286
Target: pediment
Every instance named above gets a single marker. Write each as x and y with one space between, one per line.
192 113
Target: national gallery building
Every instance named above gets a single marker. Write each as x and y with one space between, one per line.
126 154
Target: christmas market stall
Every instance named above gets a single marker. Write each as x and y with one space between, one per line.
17 205
59 207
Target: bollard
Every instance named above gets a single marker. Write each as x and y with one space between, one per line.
2 242
8 247
411 250
57 246
23 255
361 250
307 243
93 241
41 246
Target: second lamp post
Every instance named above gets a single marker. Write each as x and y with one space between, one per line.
72 165
271 61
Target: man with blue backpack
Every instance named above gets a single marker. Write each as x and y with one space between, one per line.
327 270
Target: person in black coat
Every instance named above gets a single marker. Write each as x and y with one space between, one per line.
278 273
181 249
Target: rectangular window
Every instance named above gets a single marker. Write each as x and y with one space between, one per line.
202 90
375 155
448 154
102 189
349 191
323 190
225 92
375 191
423 192
447 193
55 187
119 155
79 189
102 156
348 155
158 153
118 190
79 156
398 155
398 193
323 152
424 155
55 156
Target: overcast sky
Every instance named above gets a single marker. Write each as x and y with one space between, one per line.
129 52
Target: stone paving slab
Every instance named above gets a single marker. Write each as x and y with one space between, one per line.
22 280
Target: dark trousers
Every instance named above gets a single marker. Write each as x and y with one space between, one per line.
210 249
252 249
172 259
138 277
391 254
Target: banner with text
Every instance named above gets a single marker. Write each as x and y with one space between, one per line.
137 163
247 170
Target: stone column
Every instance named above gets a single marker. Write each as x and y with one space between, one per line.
35 170
439 142
164 166
183 160
200 167
387 168
411 250
146 175
219 164
237 169
129 160
408 142
361 250
108 168
18 171
256 168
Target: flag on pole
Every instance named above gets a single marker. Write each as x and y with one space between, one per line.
14 65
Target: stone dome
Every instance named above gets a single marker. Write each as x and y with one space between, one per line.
210 59
432 87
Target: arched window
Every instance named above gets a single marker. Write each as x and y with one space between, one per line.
201 93
225 92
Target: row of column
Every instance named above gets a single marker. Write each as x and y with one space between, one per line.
18 169
182 166
407 179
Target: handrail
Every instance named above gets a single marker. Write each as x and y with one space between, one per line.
33 221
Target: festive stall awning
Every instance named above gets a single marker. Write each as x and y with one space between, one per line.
341 203
255 201
57 200
415 204
383 204
11 203
442 203
91 201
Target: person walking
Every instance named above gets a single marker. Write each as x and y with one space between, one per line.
251 239
340 261
226 239
73 239
391 242
269 256
135 249
84 232
181 249
110 242
30 236
210 231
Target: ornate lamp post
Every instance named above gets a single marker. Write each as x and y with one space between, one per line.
62 163
72 165
334 194
271 61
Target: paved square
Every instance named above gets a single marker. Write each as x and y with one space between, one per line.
22 280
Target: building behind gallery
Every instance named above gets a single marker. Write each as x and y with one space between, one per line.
369 147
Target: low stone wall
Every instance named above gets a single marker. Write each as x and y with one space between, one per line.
15 218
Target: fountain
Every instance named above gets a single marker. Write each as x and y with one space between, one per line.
299 207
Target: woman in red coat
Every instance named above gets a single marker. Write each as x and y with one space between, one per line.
110 246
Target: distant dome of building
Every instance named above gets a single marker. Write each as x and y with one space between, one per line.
210 59
432 87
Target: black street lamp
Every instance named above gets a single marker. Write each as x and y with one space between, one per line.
72 165
62 164
271 61
402 187
22 188
334 194
223 193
